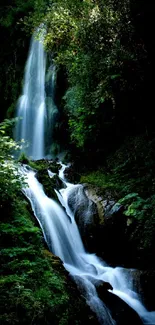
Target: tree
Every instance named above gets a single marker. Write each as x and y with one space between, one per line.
94 40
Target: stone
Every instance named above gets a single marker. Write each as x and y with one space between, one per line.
121 312
85 214
50 183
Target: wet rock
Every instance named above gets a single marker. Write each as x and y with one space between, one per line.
56 182
85 214
121 312
113 209
71 174
147 284
41 164
144 283
104 201
50 183
111 241
103 287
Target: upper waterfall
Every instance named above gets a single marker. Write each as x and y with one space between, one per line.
36 109
31 107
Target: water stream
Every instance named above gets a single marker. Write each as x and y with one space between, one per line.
63 238
38 112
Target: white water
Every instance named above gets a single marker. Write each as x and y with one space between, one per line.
31 107
64 240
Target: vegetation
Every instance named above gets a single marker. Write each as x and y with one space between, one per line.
105 89
129 178
15 40
96 43
10 181
34 287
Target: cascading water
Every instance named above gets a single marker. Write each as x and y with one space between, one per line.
63 238
31 107
52 110
37 114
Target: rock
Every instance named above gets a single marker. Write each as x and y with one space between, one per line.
50 183
41 164
103 287
54 166
86 216
114 232
113 209
144 283
71 174
147 284
104 201
111 241
121 312
56 182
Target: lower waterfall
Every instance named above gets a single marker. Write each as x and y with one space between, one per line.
63 238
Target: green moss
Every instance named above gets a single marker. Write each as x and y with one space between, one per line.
23 159
45 164
101 179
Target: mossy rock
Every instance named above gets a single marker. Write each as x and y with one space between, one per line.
52 165
49 183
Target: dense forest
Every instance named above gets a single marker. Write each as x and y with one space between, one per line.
103 54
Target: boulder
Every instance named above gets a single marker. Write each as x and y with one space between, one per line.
111 241
85 214
56 182
144 283
50 183
71 174
53 165
121 312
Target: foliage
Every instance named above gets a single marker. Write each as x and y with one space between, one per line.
10 180
102 56
15 39
99 178
135 206
33 284
94 41
23 159
130 169
133 165
44 164
11 9
129 177
34 288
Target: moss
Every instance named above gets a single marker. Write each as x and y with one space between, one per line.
54 166
23 159
48 183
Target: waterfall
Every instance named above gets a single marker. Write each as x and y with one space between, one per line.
36 110
37 114
63 238
31 107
